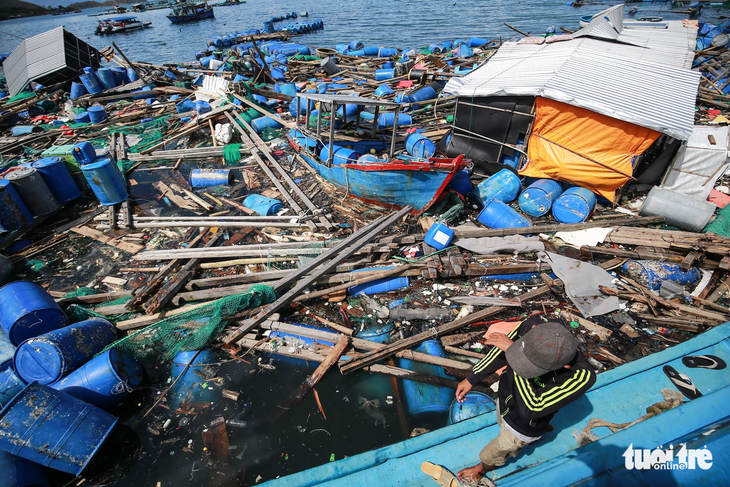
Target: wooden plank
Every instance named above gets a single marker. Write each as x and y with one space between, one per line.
132 248
602 333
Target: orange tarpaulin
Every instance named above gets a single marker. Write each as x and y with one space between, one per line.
582 147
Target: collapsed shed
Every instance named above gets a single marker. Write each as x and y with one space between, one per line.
55 56
580 108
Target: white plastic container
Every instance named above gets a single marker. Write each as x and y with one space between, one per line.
680 210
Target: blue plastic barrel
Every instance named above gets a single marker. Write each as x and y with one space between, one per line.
358 53
426 398
477 42
421 94
420 146
269 27
132 75
106 76
386 120
461 182
261 123
475 404
187 105
383 74
104 380
106 181
58 430
288 89
372 51
202 178
387 52
537 199
7 350
383 90
355 45
378 334
49 357
84 153
120 75
10 385
342 155
82 117
651 273
202 107
19 472
54 172
77 90
439 236
500 215
378 286
97 113
262 205
92 86
575 205
33 190
14 214
503 186
191 385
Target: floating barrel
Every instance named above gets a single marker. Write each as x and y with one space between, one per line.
574 205
91 84
386 120
104 380
342 155
190 385
106 181
383 90
262 205
426 398
202 178
503 186
84 153
132 75
269 27
33 190
461 182
420 146
500 215
421 94
13 212
97 113
106 76
77 90
439 236
7 350
58 430
356 45
384 285
538 198
82 117
54 172
475 403
379 333
651 273
383 74
10 385
49 357
265 122
27 310
19 472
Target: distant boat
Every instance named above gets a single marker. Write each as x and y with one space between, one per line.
114 25
185 12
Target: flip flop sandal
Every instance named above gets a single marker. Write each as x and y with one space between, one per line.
440 474
704 362
682 382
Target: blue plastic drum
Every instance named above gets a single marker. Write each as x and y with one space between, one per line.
27 310
54 172
106 181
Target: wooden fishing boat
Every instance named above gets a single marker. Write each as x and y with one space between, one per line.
114 25
621 395
188 12
392 182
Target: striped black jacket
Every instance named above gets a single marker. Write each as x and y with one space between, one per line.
528 405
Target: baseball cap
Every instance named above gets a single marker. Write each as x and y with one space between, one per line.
545 348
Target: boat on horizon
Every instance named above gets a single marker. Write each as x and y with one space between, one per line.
188 12
115 25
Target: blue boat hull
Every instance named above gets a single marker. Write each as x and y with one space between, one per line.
620 395
392 185
177 19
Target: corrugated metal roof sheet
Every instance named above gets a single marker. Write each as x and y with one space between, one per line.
647 87
35 56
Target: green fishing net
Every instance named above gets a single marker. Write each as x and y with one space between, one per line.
232 153
194 329
721 224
